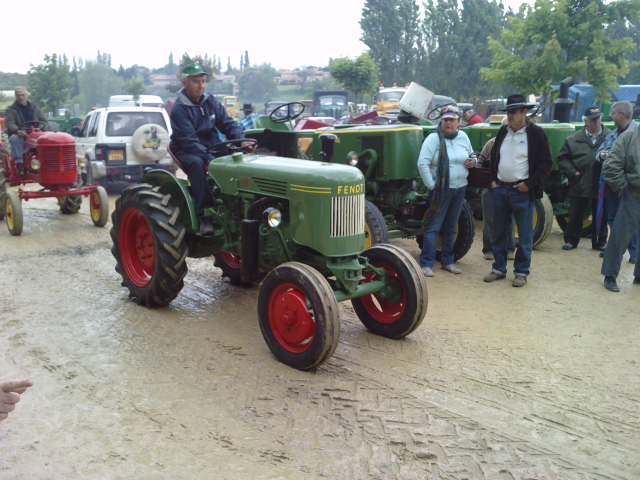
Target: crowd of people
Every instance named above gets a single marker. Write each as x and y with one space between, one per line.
602 168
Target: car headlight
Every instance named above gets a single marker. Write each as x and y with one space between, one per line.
273 216
35 164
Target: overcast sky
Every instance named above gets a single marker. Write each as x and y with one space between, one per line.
285 33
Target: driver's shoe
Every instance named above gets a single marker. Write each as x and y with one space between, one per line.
206 226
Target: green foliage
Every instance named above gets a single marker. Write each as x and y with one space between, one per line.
50 83
9 81
560 38
97 83
257 83
135 87
359 76
390 28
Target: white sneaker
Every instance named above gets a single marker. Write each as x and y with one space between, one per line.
453 268
487 255
427 271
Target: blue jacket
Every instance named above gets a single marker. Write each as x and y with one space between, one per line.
195 127
458 150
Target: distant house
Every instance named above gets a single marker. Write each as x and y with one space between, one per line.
161 80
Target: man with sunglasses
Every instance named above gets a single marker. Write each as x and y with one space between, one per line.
520 161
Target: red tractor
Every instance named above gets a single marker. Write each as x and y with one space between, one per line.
49 160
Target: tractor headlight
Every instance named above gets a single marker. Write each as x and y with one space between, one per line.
353 159
35 164
273 216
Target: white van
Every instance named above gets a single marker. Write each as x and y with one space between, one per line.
142 101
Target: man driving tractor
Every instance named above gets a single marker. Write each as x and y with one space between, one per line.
196 119
21 115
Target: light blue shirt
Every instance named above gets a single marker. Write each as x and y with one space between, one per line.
459 149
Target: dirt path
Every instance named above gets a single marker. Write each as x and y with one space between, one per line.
498 383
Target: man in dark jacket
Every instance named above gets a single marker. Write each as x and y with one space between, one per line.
578 162
197 118
520 161
22 115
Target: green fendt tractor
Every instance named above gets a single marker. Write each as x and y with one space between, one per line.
387 155
295 226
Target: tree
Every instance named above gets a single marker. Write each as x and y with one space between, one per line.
560 38
246 63
390 30
50 83
257 83
135 87
359 76
97 83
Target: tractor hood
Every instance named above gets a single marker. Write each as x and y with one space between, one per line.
279 176
326 203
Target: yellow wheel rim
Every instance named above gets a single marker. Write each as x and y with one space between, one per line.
368 237
8 211
94 206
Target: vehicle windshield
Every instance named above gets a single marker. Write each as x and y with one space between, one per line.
390 96
332 100
123 124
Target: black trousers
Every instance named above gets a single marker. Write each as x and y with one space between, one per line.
195 168
578 207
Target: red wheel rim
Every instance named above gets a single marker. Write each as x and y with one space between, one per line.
384 310
231 260
290 319
137 248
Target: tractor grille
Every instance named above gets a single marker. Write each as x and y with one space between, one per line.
275 187
59 159
347 216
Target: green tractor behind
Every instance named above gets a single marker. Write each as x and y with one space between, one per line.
396 199
295 226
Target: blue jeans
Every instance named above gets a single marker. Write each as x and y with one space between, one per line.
17 148
612 204
508 201
445 219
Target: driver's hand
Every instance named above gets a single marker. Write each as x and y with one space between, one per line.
249 147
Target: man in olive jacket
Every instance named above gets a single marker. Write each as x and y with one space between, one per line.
621 171
21 115
578 163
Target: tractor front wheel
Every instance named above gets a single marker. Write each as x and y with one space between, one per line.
99 207
149 245
13 212
298 315
70 204
397 309
3 189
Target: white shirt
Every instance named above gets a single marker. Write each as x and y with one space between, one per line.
514 156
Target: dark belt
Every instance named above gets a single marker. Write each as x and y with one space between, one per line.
508 184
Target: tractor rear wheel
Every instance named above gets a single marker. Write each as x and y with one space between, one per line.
464 235
70 204
397 309
375 227
542 220
149 245
298 315
99 207
13 212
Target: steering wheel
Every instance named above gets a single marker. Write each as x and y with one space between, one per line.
30 125
236 145
436 112
282 113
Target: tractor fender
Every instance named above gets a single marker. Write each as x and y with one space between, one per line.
180 196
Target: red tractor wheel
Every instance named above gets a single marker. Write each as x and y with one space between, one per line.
397 309
298 315
13 212
149 245
99 207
